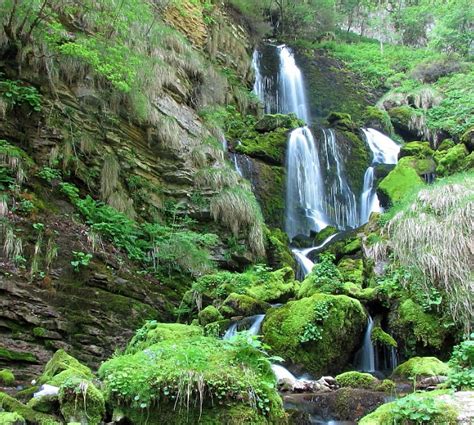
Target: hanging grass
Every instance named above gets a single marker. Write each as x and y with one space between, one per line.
432 235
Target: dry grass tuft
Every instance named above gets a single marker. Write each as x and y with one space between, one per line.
169 132
433 236
238 210
216 178
109 177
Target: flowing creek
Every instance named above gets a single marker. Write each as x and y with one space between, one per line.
318 193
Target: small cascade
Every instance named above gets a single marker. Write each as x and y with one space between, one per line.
367 352
234 159
384 151
282 373
251 324
304 187
264 87
341 203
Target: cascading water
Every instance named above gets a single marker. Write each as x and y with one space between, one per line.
367 352
304 194
341 203
385 151
251 324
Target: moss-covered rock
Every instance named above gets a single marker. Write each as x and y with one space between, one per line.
271 122
153 332
453 160
152 386
446 144
243 305
45 404
279 254
11 405
377 118
278 286
65 365
80 401
401 117
417 330
6 377
401 181
322 235
356 379
419 367
17 356
11 419
382 338
386 386
208 315
401 411
352 270
319 333
422 166
416 149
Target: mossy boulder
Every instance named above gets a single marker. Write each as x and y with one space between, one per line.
208 315
401 181
341 121
356 379
401 117
416 149
271 122
446 144
80 401
420 367
453 160
422 166
11 419
45 404
243 305
6 377
319 333
154 332
12 405
386 386
416 330
62 365
152 386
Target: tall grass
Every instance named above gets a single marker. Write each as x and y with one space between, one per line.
432 235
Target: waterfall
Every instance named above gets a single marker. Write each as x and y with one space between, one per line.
304 186
341 203
384 151
282 373
292 93
367 352
301 256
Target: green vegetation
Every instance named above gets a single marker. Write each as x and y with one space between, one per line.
378 336
179 368
81 259
418 367
16 93
6 377
325 277
461 366
356 380
11 419
11 405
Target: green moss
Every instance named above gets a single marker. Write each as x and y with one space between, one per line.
355 379
6 377
16 356
45 404
400 116
271 122
80 401
39 331
400 182
210 371
63 362
208 315
11 419
11 405
417 327
278 251
270 181
386 386
341 121
153 332
244 305
446 144
375 117
328 342
352 270
279 285
453 160
416 149
323 235
379 336
420 367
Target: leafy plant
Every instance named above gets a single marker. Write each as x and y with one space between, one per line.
50 174
16 93
461 374
81 259
313 330
417 409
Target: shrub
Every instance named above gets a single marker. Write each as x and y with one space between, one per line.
461 373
